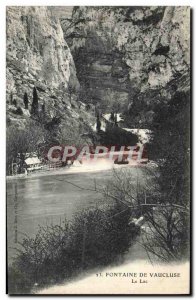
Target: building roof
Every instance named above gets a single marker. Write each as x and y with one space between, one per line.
32 161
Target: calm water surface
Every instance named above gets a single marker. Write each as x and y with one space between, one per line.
45 200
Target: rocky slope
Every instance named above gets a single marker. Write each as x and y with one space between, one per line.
125 53
38 56
112 57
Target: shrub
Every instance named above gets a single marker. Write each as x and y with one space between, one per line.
19 111
25 100
118 136
34 106
14 102
95 237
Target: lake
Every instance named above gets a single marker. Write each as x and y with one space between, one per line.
48 199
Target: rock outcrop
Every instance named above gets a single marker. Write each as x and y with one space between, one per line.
123 52
112 57
37 55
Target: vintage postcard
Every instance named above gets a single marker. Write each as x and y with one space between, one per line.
98 150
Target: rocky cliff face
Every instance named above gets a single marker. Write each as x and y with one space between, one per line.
109 56
124 53
38 55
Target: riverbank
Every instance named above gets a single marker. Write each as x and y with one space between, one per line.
87 167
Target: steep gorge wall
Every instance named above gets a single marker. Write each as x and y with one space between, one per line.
38 55
123 52
117 55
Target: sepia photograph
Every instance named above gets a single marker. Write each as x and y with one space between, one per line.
98 150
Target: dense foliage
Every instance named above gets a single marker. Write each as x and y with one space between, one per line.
115 135
95 237
171 148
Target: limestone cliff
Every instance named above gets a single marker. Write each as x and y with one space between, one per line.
121 53
108 56
37 55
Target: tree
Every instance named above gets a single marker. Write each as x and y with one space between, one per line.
19 111
168 239
171 144
165 231
11 98
34 107
115 135
15 102
71 91
115 120
98 124
170 223
43 108
26 101
22 141
112 117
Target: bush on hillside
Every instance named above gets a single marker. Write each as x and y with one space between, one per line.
96 237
